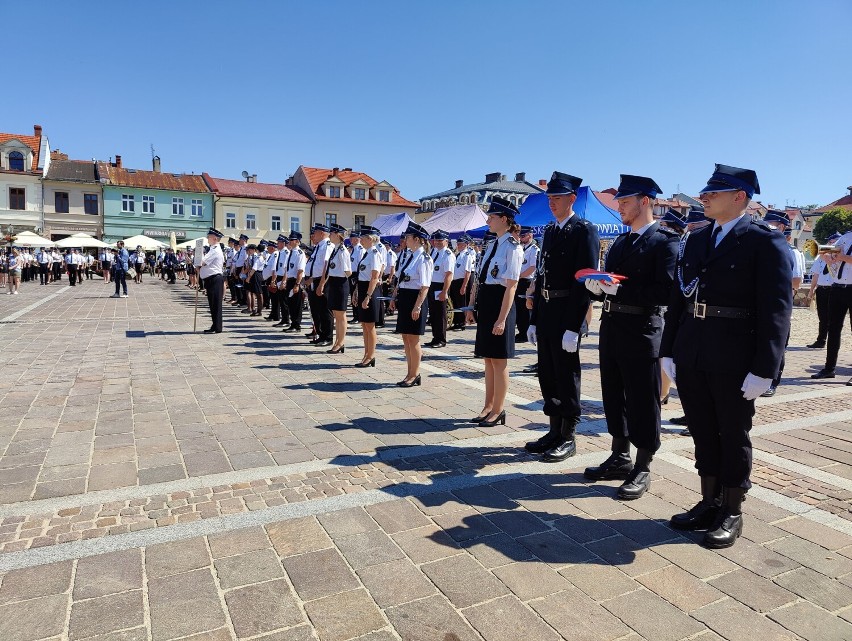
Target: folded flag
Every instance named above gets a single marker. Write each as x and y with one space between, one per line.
595 274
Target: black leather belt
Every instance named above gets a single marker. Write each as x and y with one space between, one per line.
609 306
547 294
702 311
841 285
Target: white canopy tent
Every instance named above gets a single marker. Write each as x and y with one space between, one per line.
456 220
81 240
29 239
190 244
148 244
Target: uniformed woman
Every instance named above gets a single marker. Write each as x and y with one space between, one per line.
415 275
335 286
495 308
369 268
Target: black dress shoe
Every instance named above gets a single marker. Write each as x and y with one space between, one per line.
209 331
816 345
769 393
824 373
849 383
414 381
635 486
560 451
369 363
547 441
702 515
728 526
280 324
436 345
678 420
618 466
324 343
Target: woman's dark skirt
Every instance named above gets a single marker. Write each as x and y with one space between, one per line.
337 293
488 303
371 314
257 284
405 300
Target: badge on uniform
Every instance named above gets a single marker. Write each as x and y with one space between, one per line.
291 265
437 267
494 271
331 265
525 262
362 268
406 278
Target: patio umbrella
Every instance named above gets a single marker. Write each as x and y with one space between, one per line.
29 239
81 240
147 243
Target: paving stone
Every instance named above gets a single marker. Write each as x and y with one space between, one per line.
759 559
299 633
426 544
506 619
177 557
583 529
395 582
600 582
141 634
438 503
41 580
344 616
370 548
485 498
107 477
463 581
465 525
736 622
252 567
238 542
498 549
575 616
264 607
815 532
812 555
430 620
555 548
107 574
397 516
347 522
106 614
756 592
680 588
531 580
696 560
816 588
298 536
170 598
319 574
653 617
45 617
812 623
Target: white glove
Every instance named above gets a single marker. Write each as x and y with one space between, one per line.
668 366
532 337
610 288
754 386
570 341
593 286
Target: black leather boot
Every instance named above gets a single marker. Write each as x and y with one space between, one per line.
617 466
703 514
639 480
728 525
548 440
565 446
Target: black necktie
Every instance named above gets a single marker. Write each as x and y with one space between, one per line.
634 236
715 235
483 274
407 263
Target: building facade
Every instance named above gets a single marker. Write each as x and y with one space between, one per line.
73 199
258 210
349 198
153 203
495 184
24 160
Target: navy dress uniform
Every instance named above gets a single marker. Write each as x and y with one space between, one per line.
212 275
529 262
443 264
370 260
629 345
559 311
724 335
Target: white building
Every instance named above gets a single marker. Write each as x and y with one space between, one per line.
24 161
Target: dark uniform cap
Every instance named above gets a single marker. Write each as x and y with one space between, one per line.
563 184
262 244
243 237
464 238
214 232
251 246
727 178
440 234
502 207
637 186
337 229
231 239
671 217
526 230
696 215
320 227
366 230
776 216
414 229
295 235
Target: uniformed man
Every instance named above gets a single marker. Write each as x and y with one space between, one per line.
281 257
71 268
388 276
293 288
229 263
570 244
528 269
238 271
840 302
268 274
460 285
356 253
212 276
724 335
442 275
43 258
820 290
631 329
313 271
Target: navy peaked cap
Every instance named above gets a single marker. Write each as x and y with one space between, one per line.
214 232
502 207
414 229
563 184
637 186
727 178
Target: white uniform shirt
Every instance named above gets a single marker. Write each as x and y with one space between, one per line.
229 257
297 262
844 270
531 252
319 255
356 255
443 261
416 270
43 257
240 257
819 271
371 261
282 256
390 262
339 262
506 262
213 262
464 263
797 262
69 259
269 265
254 262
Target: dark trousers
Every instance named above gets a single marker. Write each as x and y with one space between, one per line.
57 271
522 314
720 420
170 275
42 273
458 301
558 374
72 276
823 302
293 304
631 398
437 314
120 277
214 286
840 305
79 273
321 315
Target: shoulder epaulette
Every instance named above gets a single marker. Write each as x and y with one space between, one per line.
762 224
513 241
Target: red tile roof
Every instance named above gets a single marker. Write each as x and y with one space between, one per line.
265 191
317 176
33 142
121 177
845 202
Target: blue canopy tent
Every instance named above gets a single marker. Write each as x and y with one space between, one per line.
392 226
535 213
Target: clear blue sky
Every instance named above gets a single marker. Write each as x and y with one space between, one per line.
423 93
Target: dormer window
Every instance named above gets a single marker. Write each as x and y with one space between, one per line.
333 192
359 193
384 196
16 161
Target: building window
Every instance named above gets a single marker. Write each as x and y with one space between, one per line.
16 161
251 221
276 223
17 198
473 199
128 203
359 193
384 196
147 204
230 221
330 219
60 200
295 223
360 221
197 208
177 206
90 204
334 192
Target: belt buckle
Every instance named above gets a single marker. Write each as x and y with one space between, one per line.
606 305
545 294
700 311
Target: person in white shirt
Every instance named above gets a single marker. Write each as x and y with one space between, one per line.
460 285
277 266
528 267
295 276
840 301
239 271
356 251
211 273
821 281
252 283
368 271
43 258
335 285
388 278
443 261
71 268
316 265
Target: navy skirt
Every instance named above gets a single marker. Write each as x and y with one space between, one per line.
371 314
489 300
405 300
337 293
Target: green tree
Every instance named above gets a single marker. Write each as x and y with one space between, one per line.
834 220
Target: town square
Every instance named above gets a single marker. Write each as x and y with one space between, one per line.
397 329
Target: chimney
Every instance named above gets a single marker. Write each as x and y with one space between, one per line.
850 189
459 183
252 178
542 182
335 171
118 161
289 181
521 176
156 162
493 177
347 169
37 130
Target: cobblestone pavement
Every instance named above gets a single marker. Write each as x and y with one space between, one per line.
161 484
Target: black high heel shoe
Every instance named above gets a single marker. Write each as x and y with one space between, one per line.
479 419
370 363
342 350
500 418
414 381
665 400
